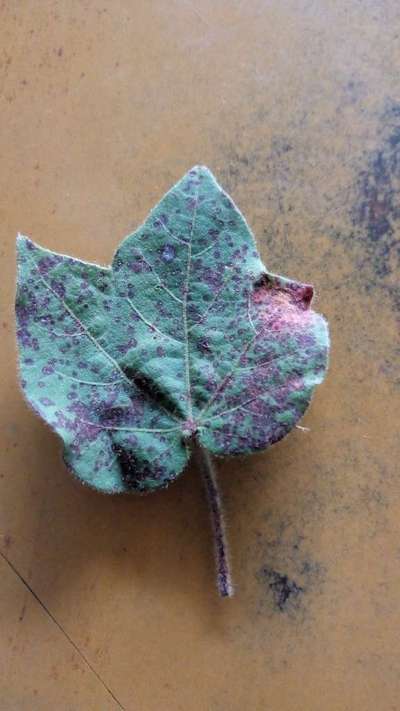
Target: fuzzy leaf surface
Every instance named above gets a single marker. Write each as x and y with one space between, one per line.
186 334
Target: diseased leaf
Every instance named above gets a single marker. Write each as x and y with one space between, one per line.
185 336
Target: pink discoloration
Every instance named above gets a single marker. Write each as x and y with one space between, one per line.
296 383
283 308
301 294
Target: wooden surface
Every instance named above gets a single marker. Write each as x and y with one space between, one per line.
295 106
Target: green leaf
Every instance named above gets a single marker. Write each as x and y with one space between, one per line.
185 336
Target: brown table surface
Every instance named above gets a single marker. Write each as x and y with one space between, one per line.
295 106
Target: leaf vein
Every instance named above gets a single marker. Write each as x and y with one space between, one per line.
160 281
168 231
128 429
88 382
79 322
150 325
184 307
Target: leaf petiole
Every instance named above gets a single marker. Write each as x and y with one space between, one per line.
206 466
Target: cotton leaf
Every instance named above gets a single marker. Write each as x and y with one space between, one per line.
186 337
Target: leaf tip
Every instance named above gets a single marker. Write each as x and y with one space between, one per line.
305 294
200 170
302 294
23 242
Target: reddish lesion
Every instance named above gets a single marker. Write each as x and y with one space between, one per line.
284 290
302 293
